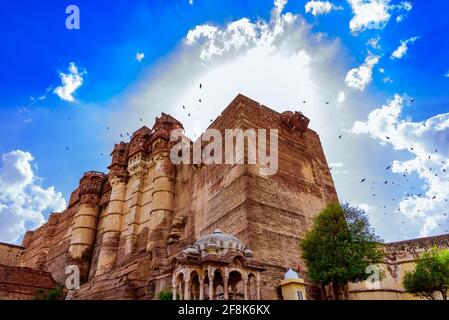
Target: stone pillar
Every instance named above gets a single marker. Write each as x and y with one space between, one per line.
211 285
161 214
258 286
225 285
187 287
245 286
174 286
201 279
85 223
112 223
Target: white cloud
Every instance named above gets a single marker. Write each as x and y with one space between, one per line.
70 82
359 78
427 143
191 2
401 51
23 201
341 97
447 75
320 7
140 56
374 14
374 43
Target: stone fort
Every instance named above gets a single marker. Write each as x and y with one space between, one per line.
200 231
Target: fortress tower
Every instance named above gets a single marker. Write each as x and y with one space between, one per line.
126 229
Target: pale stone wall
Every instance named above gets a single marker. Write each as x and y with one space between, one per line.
400 258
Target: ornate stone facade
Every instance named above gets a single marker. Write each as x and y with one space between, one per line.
127 230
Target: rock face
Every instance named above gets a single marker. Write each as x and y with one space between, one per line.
125 228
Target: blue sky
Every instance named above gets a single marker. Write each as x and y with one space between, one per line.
59 139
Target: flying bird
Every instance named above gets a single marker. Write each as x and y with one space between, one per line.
67 148
388 138
363 180
201 86
340 136
199 100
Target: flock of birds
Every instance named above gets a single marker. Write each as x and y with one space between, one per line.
362 181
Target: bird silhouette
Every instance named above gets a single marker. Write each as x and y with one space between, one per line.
340 136
388 138
201 86
67 148
363 180
107 128
200 100
183 107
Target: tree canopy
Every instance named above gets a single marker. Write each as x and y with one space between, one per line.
431 275
340 246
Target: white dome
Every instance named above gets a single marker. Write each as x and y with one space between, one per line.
221 243
290 274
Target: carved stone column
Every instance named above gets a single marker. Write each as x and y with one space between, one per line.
187 287
225 285
201 280
161 214
245 286
112 223
174 286
211 285
258 286
85 223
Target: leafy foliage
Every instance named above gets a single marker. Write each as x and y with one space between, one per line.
165 295
430 276
56 293
340 246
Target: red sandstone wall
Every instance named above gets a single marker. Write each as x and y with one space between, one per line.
10 255
18 283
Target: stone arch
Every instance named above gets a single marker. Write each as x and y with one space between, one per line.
218 284
235 285
194 285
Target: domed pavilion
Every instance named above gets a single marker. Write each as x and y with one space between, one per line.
217 267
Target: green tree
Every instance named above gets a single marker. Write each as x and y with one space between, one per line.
431 275
57 293
340 247
166 295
